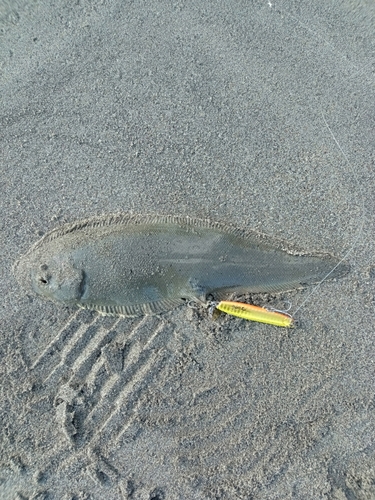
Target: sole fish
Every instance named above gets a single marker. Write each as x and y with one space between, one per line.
131 265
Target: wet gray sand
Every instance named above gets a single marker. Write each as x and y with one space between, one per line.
213 111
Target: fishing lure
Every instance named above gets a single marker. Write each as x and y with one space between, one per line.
256 313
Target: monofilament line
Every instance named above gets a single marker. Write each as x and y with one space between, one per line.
359 234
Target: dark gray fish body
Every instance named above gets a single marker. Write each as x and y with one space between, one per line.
132 264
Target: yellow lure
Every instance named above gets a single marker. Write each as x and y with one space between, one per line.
255 313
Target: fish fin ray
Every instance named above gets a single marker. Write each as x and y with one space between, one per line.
134 310
186 222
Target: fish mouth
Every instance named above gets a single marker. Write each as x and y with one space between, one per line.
22 272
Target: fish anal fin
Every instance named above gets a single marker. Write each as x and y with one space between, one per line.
156 307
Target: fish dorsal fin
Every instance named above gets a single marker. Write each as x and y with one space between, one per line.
189 223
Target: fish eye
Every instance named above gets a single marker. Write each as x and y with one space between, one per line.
44 277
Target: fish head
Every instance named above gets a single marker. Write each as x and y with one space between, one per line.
54 277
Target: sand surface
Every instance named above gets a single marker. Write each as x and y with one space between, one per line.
208 109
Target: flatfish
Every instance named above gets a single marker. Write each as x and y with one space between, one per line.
129 265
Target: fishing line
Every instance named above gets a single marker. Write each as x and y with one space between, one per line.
284 317
359 233
349 164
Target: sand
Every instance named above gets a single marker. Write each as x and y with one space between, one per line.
206 109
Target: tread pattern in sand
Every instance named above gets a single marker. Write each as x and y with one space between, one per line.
95 372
